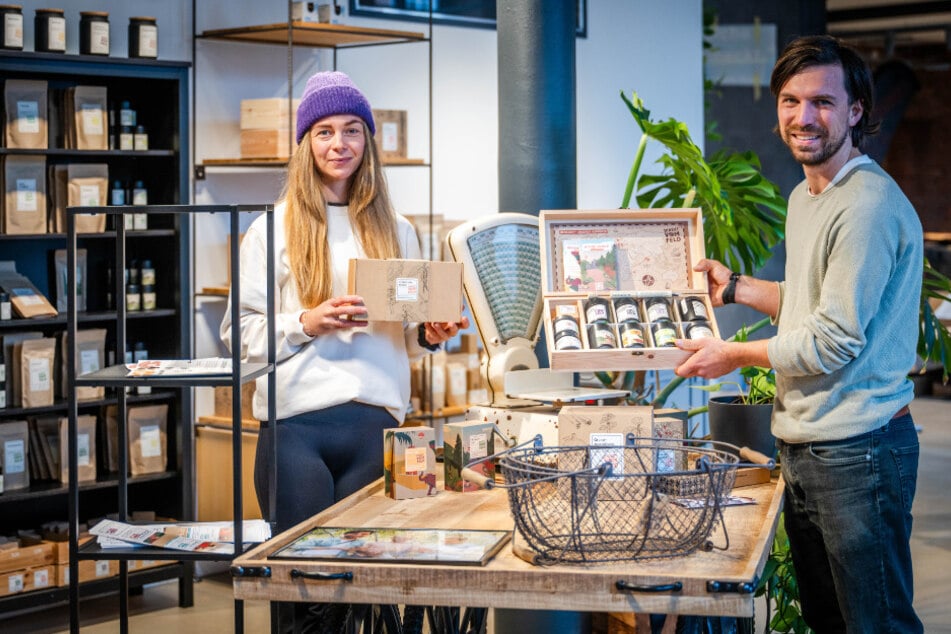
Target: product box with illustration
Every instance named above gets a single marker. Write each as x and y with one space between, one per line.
464 443
408 290
619 287
409 462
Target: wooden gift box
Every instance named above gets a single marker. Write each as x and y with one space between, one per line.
640 254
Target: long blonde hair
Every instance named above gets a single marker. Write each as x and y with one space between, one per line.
371 216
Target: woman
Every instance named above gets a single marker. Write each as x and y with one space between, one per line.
340 381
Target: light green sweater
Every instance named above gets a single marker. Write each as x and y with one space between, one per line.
848 317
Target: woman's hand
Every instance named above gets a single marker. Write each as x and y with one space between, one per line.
337 313
439 331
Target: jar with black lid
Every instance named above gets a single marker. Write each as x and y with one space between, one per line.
626 309
664 333
601 335
692 308
698 330
631 334
567 334
94 32
49 27
597 309
658 308
143 37
12 27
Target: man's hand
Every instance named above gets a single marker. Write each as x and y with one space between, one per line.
710 359
717 277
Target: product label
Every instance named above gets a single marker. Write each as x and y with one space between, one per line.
57 34
140 141
82 455
88 361
632 337
148 41
26 194
148 277
102 568
28 117
99 38
626 312
140 222
89 196
478 446
126 141
596 312
407 289
41 578
140 197
390 137
26 296
39 370
92 119
13 30
14 457
610 450
118 196
414 460
151 441
15 583
657 311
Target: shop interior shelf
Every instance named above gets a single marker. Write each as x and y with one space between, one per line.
314 34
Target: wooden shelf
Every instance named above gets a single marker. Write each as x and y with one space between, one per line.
314 34
282 162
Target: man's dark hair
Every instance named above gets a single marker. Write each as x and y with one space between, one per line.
825 50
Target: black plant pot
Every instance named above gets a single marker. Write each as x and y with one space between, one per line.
742 425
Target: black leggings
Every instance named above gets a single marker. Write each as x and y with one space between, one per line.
323 456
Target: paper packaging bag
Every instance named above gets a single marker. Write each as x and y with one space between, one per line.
59 261
89 110
27 301
37 357
408 290
88 186
90 356
409 462
47 430
24 195
11 361
462 443
25 103
147 439
86 448
14 448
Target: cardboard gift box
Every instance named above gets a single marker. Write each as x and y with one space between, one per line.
463 443
408 290
409 462
619 287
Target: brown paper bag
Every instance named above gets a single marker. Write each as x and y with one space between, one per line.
24 194
14 454
86 448
25 103
37 358
59 261
90 356
90 120
148 439
88 186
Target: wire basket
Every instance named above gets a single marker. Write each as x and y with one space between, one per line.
650 499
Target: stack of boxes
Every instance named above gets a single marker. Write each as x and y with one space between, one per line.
266 128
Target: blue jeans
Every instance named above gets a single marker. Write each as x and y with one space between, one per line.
848 516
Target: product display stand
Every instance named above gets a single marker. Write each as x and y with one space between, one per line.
117 377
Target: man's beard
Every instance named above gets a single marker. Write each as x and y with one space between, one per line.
827 148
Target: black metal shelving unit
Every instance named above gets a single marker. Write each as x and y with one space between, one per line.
117 377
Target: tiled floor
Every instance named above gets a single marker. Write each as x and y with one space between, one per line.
157 611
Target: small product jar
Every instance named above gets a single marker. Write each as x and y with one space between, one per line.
698 330
597 309
93 33
692 308
631 334
664 333
601 335
143 37
658 308
147 273
126 138
49 27
133 298
626 309
567 333
140 139
148 296
12 27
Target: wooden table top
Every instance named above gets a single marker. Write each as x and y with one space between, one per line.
508 581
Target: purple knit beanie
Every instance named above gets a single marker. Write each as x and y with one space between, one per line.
329 93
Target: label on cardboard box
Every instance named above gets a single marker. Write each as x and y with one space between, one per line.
407 289
15 582
41 578
415 461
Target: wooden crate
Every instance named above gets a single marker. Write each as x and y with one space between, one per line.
268 114
615 254
262 144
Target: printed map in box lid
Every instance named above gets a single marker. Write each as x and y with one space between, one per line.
645 250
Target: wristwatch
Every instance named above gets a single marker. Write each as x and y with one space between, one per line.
729 291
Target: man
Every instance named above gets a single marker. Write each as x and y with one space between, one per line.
846 317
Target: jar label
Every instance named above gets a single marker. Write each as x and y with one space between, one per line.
56 40
99 38
148 41
700 332
140 197
127 117
596 312
13 30
632 337
664 337
140 142
658 311
626 312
